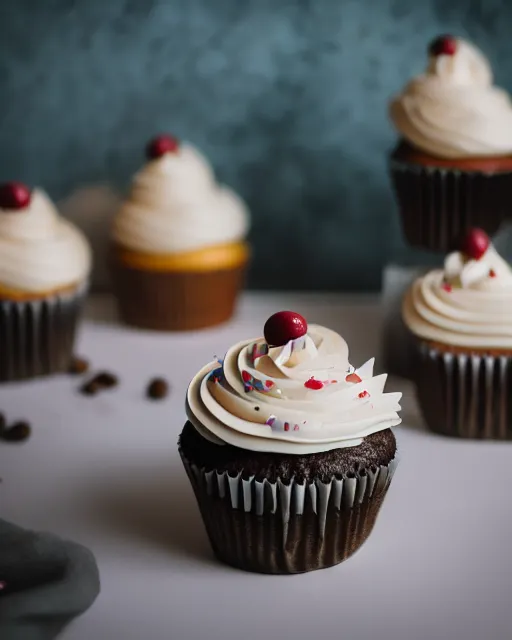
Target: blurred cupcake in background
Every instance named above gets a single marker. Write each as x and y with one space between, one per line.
179 252
461 317
44 267
452 167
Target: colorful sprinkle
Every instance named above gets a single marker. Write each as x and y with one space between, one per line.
286 426
364 394
270 421
313 384
216 375
492 273
296 427
253 384
353 377
447 287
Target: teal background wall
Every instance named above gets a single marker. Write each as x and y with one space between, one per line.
287 98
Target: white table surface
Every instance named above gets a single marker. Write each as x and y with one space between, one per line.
105 471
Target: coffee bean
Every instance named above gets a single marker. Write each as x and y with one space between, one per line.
18 432
90 388
78 365
157 389
101 381
106 379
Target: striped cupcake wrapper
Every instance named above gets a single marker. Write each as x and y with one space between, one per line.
437 206
465 395
288 527
37 337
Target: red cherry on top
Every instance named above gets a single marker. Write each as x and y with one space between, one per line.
14 195
161 145
476 243
443 46
284 326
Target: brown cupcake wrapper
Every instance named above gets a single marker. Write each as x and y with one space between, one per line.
176 301
438 205
465 395
37 336
287 527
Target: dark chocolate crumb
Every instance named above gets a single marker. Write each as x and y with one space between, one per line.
375 450
106 379
256 408
157 389
18 432
78 365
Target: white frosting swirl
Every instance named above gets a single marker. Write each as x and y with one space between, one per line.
175 205
467 305
301 398
39 250
452 110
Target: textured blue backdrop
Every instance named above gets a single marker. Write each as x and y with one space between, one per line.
287 98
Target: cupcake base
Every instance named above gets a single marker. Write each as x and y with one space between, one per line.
37 336
465 394
289 521
438 203
176 301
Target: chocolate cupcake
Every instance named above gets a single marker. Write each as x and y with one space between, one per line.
452 167
460 317
289 449
179 253
44 267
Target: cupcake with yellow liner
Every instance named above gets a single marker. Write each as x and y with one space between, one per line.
44 267
179 252
452 167
289 449
461 318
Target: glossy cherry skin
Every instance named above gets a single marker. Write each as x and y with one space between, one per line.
284 326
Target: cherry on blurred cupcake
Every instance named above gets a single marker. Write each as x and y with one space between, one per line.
14 196
159 146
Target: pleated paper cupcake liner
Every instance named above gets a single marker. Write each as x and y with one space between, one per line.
465 395
37 337
437 206
176 301
287 527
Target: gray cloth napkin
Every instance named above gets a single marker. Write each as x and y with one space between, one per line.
44 583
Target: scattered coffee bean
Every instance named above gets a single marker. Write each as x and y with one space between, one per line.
78 366
101 381
90 388
157 389
18 432
105 379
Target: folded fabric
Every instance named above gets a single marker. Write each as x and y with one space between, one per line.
44 583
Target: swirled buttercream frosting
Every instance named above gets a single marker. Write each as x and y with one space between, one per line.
453 110
302 397
468 303
40 251
176 205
